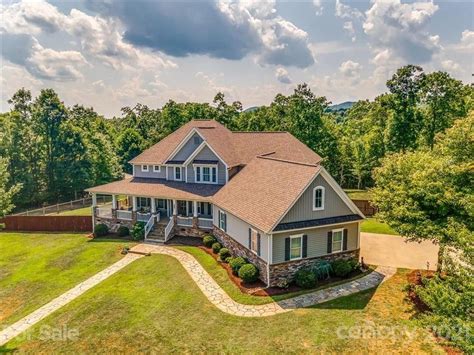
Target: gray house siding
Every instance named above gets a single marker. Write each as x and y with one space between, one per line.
207 154
239 231
150 173
302 210
317 241
188 148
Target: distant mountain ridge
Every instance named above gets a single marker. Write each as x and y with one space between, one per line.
342 106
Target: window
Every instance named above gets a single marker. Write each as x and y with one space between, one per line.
337 237
156 168
177 173
223 221
205 174
145 168
318 198
253 240
161 204
296 247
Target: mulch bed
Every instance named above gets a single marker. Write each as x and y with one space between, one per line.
415 279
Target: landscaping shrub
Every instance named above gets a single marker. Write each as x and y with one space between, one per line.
236 263
208 240
224 253
248 273
342 268
228 259
138 231
123 231
305 278
101 230
216 247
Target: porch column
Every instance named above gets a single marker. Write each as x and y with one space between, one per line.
175 211
94 207
195 208
114 206
94 200
134 209
153 206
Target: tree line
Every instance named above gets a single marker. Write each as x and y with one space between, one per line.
51 152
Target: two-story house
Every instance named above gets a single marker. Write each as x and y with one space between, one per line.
264 195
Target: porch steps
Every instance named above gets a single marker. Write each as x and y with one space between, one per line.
157 234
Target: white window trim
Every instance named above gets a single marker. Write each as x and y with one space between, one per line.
157 170
195 166
323 197
219 221
301 247
256 242
145 168
180 174
342 240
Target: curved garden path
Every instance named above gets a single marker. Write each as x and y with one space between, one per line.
208 286
225 303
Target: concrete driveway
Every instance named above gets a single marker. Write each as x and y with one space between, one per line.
392 250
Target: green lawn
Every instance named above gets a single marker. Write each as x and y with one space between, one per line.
372 225
152 305
85 211
37 267
355 194
220 275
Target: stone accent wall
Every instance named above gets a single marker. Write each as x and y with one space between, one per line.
283 273
189 231
237 249
113 223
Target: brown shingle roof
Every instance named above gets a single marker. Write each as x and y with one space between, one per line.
235 148
264 190
160 188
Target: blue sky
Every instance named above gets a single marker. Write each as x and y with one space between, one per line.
114 53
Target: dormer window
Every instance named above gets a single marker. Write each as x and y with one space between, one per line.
156 168
318 198
205 174
145 168
177 173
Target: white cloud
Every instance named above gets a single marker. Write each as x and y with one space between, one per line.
350 69
401 28
349 28
450 65
282 76
318 4
347 12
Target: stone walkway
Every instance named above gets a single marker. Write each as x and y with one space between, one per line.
23 324
222 300
208 286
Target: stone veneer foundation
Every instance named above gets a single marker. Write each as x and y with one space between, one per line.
237 249
283 273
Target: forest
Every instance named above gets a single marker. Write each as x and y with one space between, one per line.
50 152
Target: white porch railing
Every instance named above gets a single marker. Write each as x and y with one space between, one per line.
104 212
168 229
149 225
143 217
205 223
125 215
185 221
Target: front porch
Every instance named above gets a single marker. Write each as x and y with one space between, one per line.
163 217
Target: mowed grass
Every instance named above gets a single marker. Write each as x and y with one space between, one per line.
153 305
37 267
355 194
85 211
372 225
219 274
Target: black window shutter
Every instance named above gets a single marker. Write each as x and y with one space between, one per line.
258 244
225 222
329 242
287 248
305 246
344 239
250 239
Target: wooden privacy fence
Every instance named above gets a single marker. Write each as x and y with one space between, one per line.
365 207
48 223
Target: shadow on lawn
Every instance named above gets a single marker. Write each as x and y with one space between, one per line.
7 350
358 300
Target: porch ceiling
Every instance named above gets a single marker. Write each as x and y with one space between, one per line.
158 188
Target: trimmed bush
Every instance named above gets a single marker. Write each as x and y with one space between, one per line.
236 263
216 247
248 273
342 268
123 231
224 253
228 259
138 231
101 230
208 240
305 278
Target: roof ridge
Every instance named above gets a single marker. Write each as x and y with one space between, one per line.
263 156
260 132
